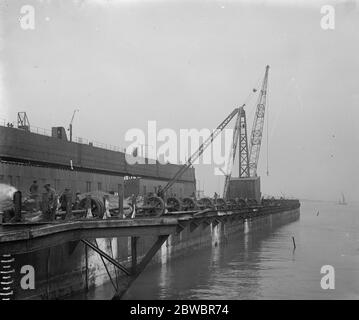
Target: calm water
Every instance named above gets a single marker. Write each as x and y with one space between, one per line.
263 265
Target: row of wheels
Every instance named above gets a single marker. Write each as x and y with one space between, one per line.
156 206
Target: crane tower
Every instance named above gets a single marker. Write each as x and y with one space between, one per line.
243 146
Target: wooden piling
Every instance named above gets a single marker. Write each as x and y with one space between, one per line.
88 206
106 204
133 254
120 201
17 206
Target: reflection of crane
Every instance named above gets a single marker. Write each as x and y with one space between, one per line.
257 129
200 150
70 125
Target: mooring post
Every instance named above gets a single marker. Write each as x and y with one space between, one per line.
133 254
106 203
86 269
294 246
17 206
120 200
88 206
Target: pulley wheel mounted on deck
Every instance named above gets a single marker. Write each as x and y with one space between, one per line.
173 204
153 206
220 204
232 204
252 202
241 203
205 203
96 205
189 204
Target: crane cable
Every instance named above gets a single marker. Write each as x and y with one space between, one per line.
251 94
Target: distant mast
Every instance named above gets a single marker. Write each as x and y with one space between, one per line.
342 200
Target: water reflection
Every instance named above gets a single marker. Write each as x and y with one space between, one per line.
211 273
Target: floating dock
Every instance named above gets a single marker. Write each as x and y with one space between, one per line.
61 250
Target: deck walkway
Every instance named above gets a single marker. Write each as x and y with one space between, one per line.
22 238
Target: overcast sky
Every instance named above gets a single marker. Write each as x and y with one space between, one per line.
187 64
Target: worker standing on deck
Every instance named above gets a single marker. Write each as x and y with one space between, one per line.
34 188
62 199
76 205
133 200
66 202
50 204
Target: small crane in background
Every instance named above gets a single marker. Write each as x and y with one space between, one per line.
70 125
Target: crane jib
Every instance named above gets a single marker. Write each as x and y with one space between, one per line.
200 150
257 129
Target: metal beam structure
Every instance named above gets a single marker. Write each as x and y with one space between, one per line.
257 129
106 256
200 150
232 154
239 137
243 146
23 121
138 268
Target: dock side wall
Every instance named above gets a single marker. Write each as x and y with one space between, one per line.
71 268
21 177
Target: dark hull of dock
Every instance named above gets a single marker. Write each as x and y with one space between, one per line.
64 264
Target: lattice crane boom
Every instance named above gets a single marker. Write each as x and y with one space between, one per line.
257 129
199 151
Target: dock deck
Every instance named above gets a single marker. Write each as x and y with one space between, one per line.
26 237
21 238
